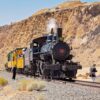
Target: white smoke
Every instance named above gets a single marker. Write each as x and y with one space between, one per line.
52 23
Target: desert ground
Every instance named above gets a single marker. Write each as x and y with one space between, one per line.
51 91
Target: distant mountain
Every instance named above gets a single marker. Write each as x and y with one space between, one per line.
81 29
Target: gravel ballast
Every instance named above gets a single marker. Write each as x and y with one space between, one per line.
52 91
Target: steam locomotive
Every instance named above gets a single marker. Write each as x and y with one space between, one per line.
48 56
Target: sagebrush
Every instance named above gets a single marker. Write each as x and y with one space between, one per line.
3 81
30 85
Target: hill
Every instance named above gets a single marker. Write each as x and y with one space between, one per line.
81 29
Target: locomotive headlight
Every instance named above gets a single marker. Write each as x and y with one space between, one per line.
61 51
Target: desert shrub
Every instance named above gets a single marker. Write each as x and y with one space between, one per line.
22 85
30 85
87 74
40 97
84 76
80 75
3 81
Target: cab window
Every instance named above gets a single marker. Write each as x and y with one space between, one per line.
35 47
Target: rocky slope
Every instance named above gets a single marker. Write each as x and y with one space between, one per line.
81 28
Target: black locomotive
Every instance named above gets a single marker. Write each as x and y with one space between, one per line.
51 58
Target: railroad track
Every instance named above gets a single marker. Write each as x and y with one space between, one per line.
79 82
87 83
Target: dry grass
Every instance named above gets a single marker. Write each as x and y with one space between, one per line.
84 76
30 85
3 81
40 97
80 75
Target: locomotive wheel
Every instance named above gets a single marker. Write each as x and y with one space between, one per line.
40 68
33 69
70 79
44 72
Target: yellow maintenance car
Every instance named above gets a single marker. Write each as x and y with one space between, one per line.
15 59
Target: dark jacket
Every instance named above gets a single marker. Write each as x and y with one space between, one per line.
93 71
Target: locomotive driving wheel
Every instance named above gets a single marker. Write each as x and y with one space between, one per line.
40 69
44 72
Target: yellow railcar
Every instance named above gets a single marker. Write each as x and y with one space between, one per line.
16 59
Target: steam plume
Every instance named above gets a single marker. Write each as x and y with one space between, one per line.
52 23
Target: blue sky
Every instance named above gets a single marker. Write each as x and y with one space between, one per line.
16 10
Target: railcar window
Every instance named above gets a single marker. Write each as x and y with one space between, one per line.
35 44
9 57
35 47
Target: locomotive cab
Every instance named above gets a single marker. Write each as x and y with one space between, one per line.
36 46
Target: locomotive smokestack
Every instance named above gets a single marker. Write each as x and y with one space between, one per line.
59 32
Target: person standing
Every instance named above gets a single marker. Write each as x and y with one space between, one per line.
93 72
14 73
